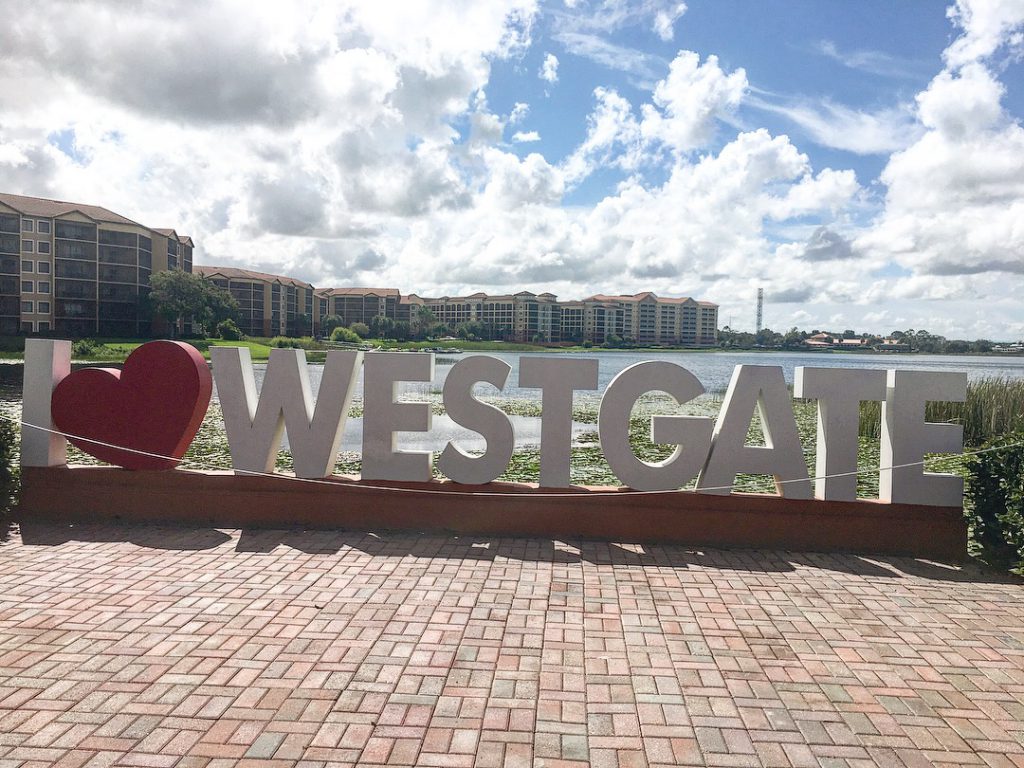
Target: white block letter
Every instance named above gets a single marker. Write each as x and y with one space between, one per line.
557 378
383 417
839 392
691 434
907 437
255 426
47 363
488 421
763 387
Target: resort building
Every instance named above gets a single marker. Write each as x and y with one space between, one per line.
649 319
643 318
270 305
79 270
357 305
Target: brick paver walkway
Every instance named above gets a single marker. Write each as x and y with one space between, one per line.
165 647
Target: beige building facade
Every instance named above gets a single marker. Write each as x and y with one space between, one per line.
269 305
78 270
643 318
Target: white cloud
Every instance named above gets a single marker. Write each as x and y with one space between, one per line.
519 112
987 26
523 137
665 18
608 16
955 199
686 107
841 127
689 100
873 62
549 69
645 67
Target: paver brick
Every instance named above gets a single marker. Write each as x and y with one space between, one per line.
197 649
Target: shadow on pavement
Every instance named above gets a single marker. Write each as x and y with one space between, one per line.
385 544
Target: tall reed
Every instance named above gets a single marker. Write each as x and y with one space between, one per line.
994 406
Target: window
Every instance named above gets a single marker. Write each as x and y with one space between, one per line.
28 246
26 327
27 266
124 239
43 308
42 247
27 286
75 250
26 225
43 227
44 327
43 267
27 307
43 286
72 230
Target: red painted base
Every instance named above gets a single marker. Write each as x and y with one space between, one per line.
220 499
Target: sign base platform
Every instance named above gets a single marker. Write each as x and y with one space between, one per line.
224 500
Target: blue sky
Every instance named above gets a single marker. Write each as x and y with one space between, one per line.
865 56
863 162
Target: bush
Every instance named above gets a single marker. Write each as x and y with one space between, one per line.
90 348
345 334
362 330
288 342
995 494
228 331
9 474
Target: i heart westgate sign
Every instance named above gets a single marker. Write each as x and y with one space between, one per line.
155 405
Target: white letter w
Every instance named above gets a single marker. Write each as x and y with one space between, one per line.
255 426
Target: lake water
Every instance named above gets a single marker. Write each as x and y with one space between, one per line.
713 369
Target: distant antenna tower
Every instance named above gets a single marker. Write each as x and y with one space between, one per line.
760 308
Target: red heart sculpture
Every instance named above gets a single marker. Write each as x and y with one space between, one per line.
155 404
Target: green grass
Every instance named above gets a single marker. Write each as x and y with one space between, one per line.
257 349
469 346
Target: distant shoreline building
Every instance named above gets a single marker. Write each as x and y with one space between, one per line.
644 318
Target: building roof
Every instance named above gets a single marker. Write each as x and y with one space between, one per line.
648 295
48 209
183 239
327 292
234 273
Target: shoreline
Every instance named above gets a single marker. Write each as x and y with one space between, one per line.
260 352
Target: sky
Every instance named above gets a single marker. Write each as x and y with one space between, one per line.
862 162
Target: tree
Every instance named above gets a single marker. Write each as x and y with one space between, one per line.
471 330
362 330
303 324
382 327
793 338
424 321
401 331
329 323
176 296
